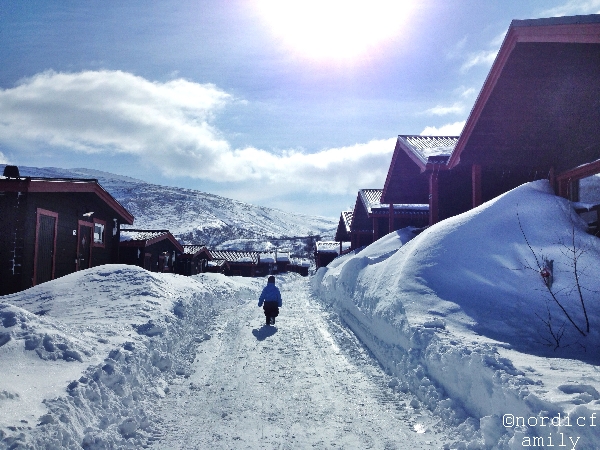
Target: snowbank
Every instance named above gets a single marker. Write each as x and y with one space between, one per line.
85 357
461 315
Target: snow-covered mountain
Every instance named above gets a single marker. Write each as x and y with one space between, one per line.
196 217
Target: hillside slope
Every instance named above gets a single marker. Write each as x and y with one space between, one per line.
196 217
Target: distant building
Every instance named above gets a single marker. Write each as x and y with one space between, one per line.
193 260
418 164
372 219
300 267
239 263
344 226
51 227
327 251
154 250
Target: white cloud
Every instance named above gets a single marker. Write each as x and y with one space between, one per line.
3 159
450 129
457 108
573 7
169 126
466 92
482 58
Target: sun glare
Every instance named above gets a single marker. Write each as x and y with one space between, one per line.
334 29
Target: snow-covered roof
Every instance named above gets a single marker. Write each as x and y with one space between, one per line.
235 256
267 258
283 257
193 249
347 219
430 148
370 198
141 235
139 238
300 263
331 246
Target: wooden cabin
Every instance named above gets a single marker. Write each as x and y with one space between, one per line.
372 219
300 267
282 261
239 263
362 228
218 266
193 260
537 115
417 165
272 263
327 251
343 231
154 250
52 227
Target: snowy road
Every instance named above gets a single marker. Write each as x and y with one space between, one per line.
306 383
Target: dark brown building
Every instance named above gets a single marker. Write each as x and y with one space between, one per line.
343 230
193 260
154 250
537 115
327 251
52 227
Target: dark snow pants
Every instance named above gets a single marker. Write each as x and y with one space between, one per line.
271 310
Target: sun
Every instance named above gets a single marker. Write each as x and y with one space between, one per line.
335 29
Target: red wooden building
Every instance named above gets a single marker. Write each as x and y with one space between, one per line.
373 219
51 227
413 178
344 227
327 251
537 115
193 260
154 250
239 263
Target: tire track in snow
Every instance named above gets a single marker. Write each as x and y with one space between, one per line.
306 383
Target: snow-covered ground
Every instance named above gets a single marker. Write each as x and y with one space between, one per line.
305 383
435 340
461 315
85 358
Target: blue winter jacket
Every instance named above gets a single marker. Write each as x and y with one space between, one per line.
270 294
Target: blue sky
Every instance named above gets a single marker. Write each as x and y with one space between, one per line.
295 108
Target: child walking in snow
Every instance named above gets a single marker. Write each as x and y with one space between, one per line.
270 300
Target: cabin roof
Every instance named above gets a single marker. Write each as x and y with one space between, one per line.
538 105
331 246
370 198
235 256
66 185
427 148
132 237
347 219
190 249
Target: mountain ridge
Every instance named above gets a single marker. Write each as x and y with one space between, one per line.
196 217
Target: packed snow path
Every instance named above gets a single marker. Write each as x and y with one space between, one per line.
305 383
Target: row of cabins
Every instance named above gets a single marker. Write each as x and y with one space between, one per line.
51 227
537 116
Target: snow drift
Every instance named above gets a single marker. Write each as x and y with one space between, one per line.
460 314
85 357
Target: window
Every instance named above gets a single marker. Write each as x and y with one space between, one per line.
99 236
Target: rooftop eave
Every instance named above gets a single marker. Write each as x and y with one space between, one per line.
574 29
